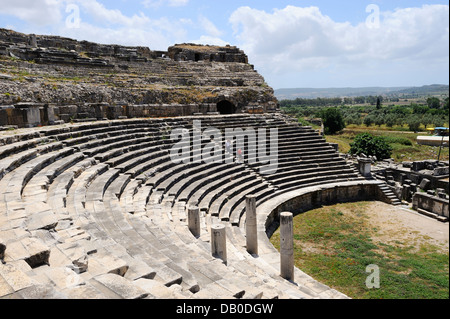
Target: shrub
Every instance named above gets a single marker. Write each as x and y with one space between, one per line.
332 120
370 145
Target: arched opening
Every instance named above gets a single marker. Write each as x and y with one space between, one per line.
226 107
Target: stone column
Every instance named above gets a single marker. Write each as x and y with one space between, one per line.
194 220
406 192
219 242
287 245
364 166
251 225
33 41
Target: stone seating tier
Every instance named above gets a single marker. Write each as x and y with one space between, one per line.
99 210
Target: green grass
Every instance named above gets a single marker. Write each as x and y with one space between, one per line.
335 244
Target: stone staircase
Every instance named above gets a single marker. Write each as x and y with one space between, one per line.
389 194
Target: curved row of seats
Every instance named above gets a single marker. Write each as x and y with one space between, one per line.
99 210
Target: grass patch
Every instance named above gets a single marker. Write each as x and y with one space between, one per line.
335 244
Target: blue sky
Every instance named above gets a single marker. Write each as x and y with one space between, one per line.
291 43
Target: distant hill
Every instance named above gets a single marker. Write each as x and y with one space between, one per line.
434 89
311 93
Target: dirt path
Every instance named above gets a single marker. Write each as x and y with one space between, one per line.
397 224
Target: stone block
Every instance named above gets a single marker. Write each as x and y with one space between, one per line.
406 193
85 291
403 177
16 278
32 250
425 184
63 277
39 291
42 220
121 286
407 164
3 117
440 171
364 165
102 263
417 166
76 255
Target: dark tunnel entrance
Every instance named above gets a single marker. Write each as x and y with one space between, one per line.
226 107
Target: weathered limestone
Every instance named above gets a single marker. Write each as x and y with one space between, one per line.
101 247
251 225
194 221
30 249
121 286
431 205
365 166
42 220
219 242
287 246
14 277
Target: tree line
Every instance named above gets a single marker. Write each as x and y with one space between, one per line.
435 112
333 101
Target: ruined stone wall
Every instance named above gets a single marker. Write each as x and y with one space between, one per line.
429 203
39 114
75 74
315 197
195 52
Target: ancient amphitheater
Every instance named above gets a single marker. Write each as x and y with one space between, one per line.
93 206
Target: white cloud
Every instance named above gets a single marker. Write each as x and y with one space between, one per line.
209 40
124 36
299 40
159 3
209 27
111 16
39 12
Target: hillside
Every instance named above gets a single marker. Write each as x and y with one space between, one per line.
74 77
311 93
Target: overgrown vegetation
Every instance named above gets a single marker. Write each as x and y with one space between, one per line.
335 244
369 144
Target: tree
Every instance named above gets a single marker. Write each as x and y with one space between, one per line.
413 123
379 102
390 120
332 120
379 120
427 119
368 120
433 103
371 145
